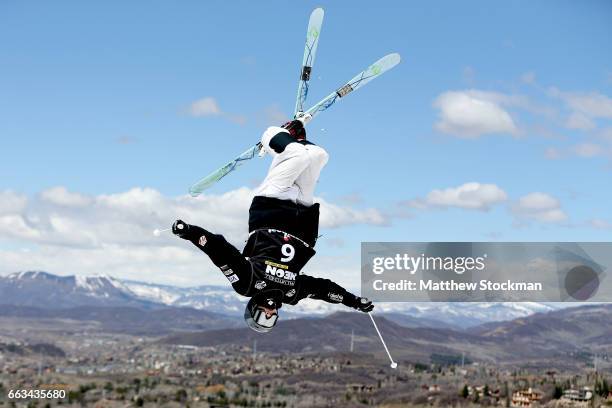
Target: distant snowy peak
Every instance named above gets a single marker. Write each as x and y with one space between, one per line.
462 315
40 288
90 283
166 295
31 275
222 300
225 300
37 288
99 282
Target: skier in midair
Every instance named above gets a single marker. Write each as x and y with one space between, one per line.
283 229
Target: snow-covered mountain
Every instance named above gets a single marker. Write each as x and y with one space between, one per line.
220 299
35 288
467 314
454 314
46 290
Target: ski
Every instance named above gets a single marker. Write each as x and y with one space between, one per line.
197 189
373 71
310 51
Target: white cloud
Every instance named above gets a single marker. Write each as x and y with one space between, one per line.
472 196
471 114
334 216
352 198
11 202
342 268
14 225
584 150
540 207
598 223
580 121
207 106
62 197
172 264
71 233
512 101
588 150
592 104
538 201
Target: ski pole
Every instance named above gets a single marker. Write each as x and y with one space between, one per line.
393 363
157 232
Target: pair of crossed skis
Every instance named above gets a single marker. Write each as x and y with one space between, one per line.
312 40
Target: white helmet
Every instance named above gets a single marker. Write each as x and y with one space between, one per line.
255 315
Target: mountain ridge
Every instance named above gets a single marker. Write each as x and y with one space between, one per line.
541 339
39 288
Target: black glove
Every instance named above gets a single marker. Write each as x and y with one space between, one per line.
180 228
362 304
295 129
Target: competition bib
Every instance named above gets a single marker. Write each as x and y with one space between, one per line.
278 256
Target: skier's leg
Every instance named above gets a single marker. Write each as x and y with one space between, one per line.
223 254
307 180
290 160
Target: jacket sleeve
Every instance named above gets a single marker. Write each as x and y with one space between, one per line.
327 290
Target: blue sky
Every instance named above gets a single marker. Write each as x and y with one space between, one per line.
97 101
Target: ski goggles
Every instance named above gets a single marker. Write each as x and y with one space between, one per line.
261 319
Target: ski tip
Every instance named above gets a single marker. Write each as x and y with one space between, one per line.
394 56
389 61
316 17
385 63
194 193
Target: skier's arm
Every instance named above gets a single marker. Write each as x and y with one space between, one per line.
192 233
331 292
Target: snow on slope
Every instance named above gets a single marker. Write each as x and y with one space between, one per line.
154 293
223 300
217 298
